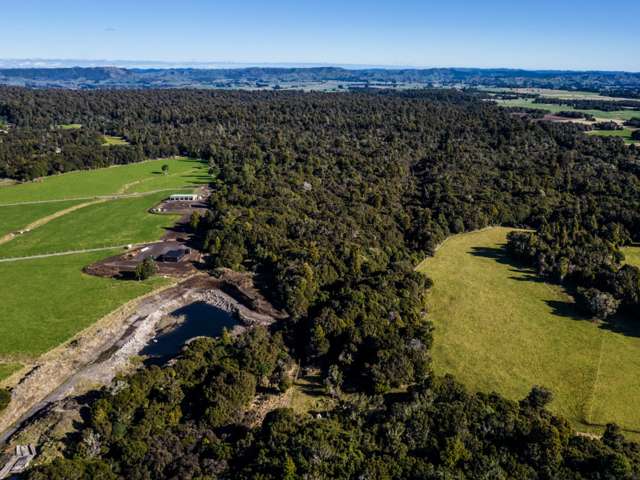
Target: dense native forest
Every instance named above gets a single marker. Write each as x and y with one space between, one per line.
332 199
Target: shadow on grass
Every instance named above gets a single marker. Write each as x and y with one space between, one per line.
311 385
525 273
625 323
501 255
566 310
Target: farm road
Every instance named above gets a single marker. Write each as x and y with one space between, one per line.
73 252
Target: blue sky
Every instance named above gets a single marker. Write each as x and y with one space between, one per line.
563 34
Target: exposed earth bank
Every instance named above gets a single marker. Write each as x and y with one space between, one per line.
94 357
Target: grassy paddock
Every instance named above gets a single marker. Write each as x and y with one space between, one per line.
104 181
500 328
625 134
18 216
46 301
632 255
553 108
49 300
562 94
6 369
111 223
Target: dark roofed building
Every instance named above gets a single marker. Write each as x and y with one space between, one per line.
174 256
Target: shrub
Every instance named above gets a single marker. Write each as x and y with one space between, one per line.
599 304
146 269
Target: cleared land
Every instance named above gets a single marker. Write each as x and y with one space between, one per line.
632 255
49 300
107 181
111 223
553 108
562 94
500 328
112 141
15 217
6 369
625 134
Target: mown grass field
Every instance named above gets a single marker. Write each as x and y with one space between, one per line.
183 172
15 217
500 328
111 223
49 300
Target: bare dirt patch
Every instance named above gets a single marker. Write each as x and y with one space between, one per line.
177 238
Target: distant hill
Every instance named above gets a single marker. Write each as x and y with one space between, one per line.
317 78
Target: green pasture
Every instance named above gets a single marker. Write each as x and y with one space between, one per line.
47 301
15 217
104 181
110 223
625 134
113 141
499 327
7 369
632 255
553 108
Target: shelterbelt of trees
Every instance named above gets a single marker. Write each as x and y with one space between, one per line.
593 104
332 199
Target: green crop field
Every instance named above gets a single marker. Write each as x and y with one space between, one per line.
111 223
15 217
500 328
107 181
49 300
70 126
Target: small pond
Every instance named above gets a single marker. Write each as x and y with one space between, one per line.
200 320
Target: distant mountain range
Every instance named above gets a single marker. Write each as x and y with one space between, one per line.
317 78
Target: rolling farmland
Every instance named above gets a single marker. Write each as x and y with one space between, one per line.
81 210
500 328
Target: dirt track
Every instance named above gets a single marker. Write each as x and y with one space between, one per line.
43 221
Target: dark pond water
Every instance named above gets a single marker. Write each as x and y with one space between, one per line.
201 320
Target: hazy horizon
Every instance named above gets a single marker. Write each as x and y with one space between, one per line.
167 64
